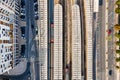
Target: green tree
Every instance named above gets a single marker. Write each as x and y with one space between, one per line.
117 2
118 59
118 51
118 43
117 35
117 67
117 27
117 10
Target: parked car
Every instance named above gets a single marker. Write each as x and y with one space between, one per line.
23 32
22 11
35 1
23 47
22 17
109 31
110 72
36 9
22 14
36 30
36 17
36 13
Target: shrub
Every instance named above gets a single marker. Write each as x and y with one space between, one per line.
118 51
118 59
117 27
117 67
117 2
117 10
118 43
117 35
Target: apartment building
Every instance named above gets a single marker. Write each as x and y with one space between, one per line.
9 30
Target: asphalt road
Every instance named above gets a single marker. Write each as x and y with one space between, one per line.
100 43
33 43
111 54
31 40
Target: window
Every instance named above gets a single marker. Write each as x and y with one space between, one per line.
1 66
1 51
4 65
1 16
2 46
5 60
3 11
8 19
6 1
6 50
12 6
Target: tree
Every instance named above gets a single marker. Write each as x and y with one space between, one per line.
117 27
117 2
117 67
118 51
117 10
117 35
118 59
118 43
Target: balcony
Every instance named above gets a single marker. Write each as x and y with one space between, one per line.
2 23
0 41
11 26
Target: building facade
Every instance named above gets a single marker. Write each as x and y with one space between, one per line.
9 24
43 38
88 5
76 43
58 42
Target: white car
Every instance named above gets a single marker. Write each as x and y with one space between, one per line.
23 10
36 13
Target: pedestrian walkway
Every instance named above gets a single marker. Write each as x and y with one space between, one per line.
106 41
19 69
